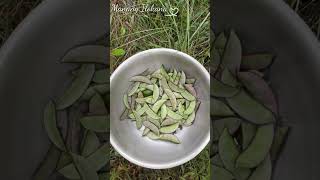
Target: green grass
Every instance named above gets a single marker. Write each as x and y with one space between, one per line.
187 32
198 168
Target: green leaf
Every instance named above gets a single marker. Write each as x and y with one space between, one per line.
50 124
118 52
122 31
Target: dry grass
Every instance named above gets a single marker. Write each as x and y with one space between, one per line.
12 12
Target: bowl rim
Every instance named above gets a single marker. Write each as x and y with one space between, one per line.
181 160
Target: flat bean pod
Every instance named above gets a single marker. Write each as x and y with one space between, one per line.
134 89
169 129
161 101
168 121
152 127
174 115
188 96
172 98
170 138
258 149
190 108
141 79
